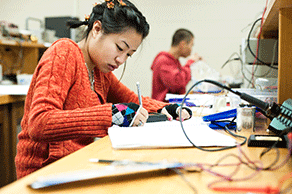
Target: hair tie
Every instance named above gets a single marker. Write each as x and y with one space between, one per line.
95 4
86 17
122 3
110 3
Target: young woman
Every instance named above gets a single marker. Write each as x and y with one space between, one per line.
74 96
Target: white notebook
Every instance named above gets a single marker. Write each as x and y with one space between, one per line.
167 134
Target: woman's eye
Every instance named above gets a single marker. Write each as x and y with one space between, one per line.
120 49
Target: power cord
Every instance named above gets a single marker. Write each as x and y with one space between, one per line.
226 127
249 48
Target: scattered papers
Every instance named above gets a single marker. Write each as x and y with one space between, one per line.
111 170
168 134
14 89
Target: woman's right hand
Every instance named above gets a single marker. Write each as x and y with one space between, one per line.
141 118
124 113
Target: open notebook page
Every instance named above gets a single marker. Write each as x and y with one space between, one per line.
168 134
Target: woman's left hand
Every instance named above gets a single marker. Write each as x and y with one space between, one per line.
172 111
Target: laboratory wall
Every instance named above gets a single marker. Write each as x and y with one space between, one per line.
218 25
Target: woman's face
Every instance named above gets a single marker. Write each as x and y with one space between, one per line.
108 52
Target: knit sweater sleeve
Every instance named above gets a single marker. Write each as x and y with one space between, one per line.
46 117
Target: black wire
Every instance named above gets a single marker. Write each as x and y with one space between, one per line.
231 59
241 62
276 159
226 128
284 132
248 46
235 135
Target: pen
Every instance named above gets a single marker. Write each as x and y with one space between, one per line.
101 160
139 93
140 102
128 162
121 162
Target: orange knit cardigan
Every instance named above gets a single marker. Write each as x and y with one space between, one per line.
62 114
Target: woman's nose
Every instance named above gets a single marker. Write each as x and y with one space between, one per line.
121 59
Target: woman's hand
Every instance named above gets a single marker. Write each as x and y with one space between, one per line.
185 115
172 111
124 113
141 117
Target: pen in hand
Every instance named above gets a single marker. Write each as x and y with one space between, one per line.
140 105
139 94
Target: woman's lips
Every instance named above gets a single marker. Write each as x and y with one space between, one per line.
111 67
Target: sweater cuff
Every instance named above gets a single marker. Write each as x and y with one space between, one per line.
189 62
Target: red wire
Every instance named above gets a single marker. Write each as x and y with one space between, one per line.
289 175
267 189
283 179
252 77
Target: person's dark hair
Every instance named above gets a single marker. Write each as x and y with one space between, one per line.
115 16
180 35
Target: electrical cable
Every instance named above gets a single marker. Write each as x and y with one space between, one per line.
248 46
256 58
276 159
270 69
265 107
241 158
282 180
180 119
124 70
229 59
257 166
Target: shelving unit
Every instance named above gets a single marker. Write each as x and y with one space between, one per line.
11 112
15 57
20 56
278 25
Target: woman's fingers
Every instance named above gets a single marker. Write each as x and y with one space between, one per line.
164 111
141 118
184 115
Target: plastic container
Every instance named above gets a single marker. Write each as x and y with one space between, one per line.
24 79
266 83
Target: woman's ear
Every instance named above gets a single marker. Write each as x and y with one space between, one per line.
96 29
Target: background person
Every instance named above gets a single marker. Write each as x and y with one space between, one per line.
169 76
